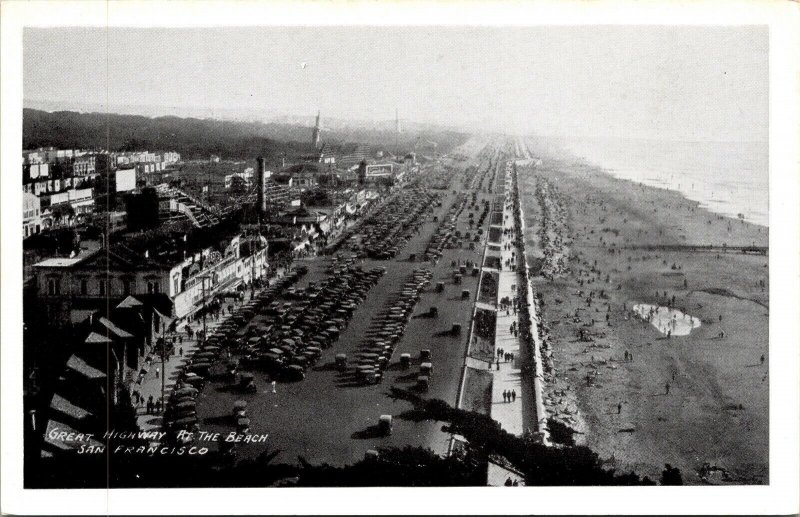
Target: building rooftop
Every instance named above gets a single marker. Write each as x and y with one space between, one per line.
79 365
60 262
66 407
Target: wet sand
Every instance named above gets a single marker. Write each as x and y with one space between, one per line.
584 227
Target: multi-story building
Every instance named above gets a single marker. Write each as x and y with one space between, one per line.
170 158
31 214
67 179
246 178
35 171
82 166
110 274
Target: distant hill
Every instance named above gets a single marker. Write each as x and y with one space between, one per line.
198 138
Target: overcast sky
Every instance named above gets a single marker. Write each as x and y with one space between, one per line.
682 83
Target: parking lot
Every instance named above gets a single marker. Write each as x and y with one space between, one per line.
329 416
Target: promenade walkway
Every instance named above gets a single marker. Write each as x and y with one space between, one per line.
519 413
508 377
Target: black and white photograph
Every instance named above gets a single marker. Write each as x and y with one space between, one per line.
399 254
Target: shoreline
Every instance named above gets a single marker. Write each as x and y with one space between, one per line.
589 273
667 165
701 203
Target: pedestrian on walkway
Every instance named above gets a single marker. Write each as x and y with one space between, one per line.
619 408
666 389
514 395
762 359
158 372
512 357
498 363
505 396
273 387
180 351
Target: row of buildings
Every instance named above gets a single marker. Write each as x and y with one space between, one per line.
174 272
60 185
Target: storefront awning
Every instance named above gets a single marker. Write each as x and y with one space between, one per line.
80 366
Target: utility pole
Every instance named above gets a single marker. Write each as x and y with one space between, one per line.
332 191
203 280
252 270
163 363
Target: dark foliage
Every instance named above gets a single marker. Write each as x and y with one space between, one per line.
192 138
671 475
560 433
198 138
541 465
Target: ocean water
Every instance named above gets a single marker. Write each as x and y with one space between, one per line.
729 178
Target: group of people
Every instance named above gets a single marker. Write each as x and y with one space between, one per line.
509 395
506 356
512 329
151 406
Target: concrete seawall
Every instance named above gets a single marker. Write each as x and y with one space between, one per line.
541 424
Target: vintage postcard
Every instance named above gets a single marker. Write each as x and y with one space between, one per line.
321 245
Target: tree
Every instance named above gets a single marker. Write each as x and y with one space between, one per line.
671 475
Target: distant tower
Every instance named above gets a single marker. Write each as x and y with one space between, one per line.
261 198
396 130
315 134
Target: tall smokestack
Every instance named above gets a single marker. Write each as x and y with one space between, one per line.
262 186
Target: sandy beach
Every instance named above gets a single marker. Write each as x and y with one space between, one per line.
632 387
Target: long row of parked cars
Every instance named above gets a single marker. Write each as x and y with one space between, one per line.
210 359
384 233
385 331
292 334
